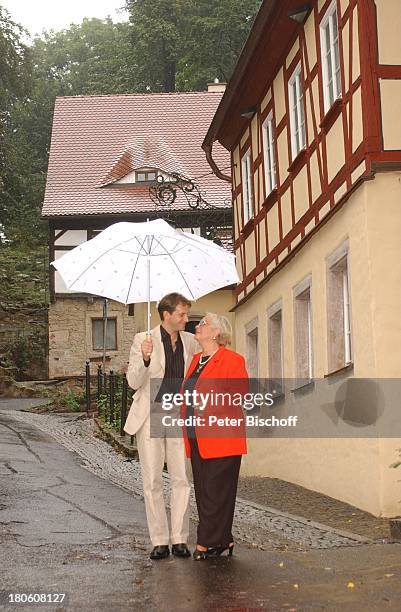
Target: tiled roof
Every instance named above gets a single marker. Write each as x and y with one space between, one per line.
96 140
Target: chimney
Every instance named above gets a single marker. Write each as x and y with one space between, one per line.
216 86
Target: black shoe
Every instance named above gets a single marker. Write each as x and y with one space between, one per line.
218 550
160 552
212 553
180 550
199 554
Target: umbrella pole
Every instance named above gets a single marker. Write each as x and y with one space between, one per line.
148 266
104 335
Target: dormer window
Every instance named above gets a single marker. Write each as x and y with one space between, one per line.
146 175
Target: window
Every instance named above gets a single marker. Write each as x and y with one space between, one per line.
275 338
339 313
270 160
111 334
330 57
247 187
145 176
252 349
303 331
297 112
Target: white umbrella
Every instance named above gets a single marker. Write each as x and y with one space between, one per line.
142 262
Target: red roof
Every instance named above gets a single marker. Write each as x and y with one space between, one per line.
96 140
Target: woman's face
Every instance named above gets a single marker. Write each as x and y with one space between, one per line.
204 332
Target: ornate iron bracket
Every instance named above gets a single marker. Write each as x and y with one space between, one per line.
215 222
164 192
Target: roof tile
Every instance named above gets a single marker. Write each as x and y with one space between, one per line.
98 139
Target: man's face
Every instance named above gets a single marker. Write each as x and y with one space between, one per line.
177 319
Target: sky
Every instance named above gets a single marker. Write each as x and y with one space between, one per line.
36 15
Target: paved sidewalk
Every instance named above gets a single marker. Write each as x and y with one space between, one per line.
65 529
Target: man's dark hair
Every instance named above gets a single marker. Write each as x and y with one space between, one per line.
170 302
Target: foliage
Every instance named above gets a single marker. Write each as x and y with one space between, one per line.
103 402
86 59
216 33
72 400
90 58
168 45
183 44
27 353
23 276
15 85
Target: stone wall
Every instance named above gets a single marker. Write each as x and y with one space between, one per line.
70 336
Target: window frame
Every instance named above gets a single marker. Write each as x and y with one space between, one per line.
96 319
146 172
303 292
297 112
247 194
331 73
347 314
274 313
252 342
338 265
268 135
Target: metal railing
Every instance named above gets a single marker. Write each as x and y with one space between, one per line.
112 396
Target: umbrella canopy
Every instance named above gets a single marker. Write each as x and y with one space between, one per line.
139 262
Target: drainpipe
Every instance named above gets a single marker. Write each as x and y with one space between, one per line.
208 147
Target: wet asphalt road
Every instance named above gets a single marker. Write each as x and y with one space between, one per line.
64 530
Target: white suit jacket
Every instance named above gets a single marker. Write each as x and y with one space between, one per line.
138 376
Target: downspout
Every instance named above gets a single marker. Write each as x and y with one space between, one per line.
208 147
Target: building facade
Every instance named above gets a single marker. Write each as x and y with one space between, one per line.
126 158
314 133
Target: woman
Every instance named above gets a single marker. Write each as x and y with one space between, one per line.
215 451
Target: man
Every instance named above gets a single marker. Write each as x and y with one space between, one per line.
164 355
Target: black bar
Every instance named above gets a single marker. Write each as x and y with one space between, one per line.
123 413
99 384
88 387
111 396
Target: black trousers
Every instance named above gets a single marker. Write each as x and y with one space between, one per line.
215 482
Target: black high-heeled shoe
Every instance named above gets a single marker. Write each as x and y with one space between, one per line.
199 554
217 551
213 552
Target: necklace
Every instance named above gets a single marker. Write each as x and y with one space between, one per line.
202 363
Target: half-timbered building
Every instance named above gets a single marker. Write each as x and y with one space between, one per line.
312 120
126 158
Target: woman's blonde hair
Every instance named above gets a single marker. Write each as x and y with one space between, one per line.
223 324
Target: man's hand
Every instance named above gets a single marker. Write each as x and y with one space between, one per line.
147 348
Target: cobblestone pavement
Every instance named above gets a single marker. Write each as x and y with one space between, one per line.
255 524
279 494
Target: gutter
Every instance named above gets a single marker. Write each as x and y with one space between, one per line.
208 148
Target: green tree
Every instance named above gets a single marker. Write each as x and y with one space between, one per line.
15 84
93 57
157 31
183 44
90 58
216 33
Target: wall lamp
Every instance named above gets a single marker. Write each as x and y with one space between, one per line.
300 14
249 112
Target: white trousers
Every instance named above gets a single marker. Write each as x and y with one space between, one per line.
153 453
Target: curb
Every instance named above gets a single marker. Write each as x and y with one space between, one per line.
119 442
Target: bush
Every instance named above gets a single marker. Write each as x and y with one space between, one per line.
72 400
28 355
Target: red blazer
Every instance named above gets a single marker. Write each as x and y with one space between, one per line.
229 368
